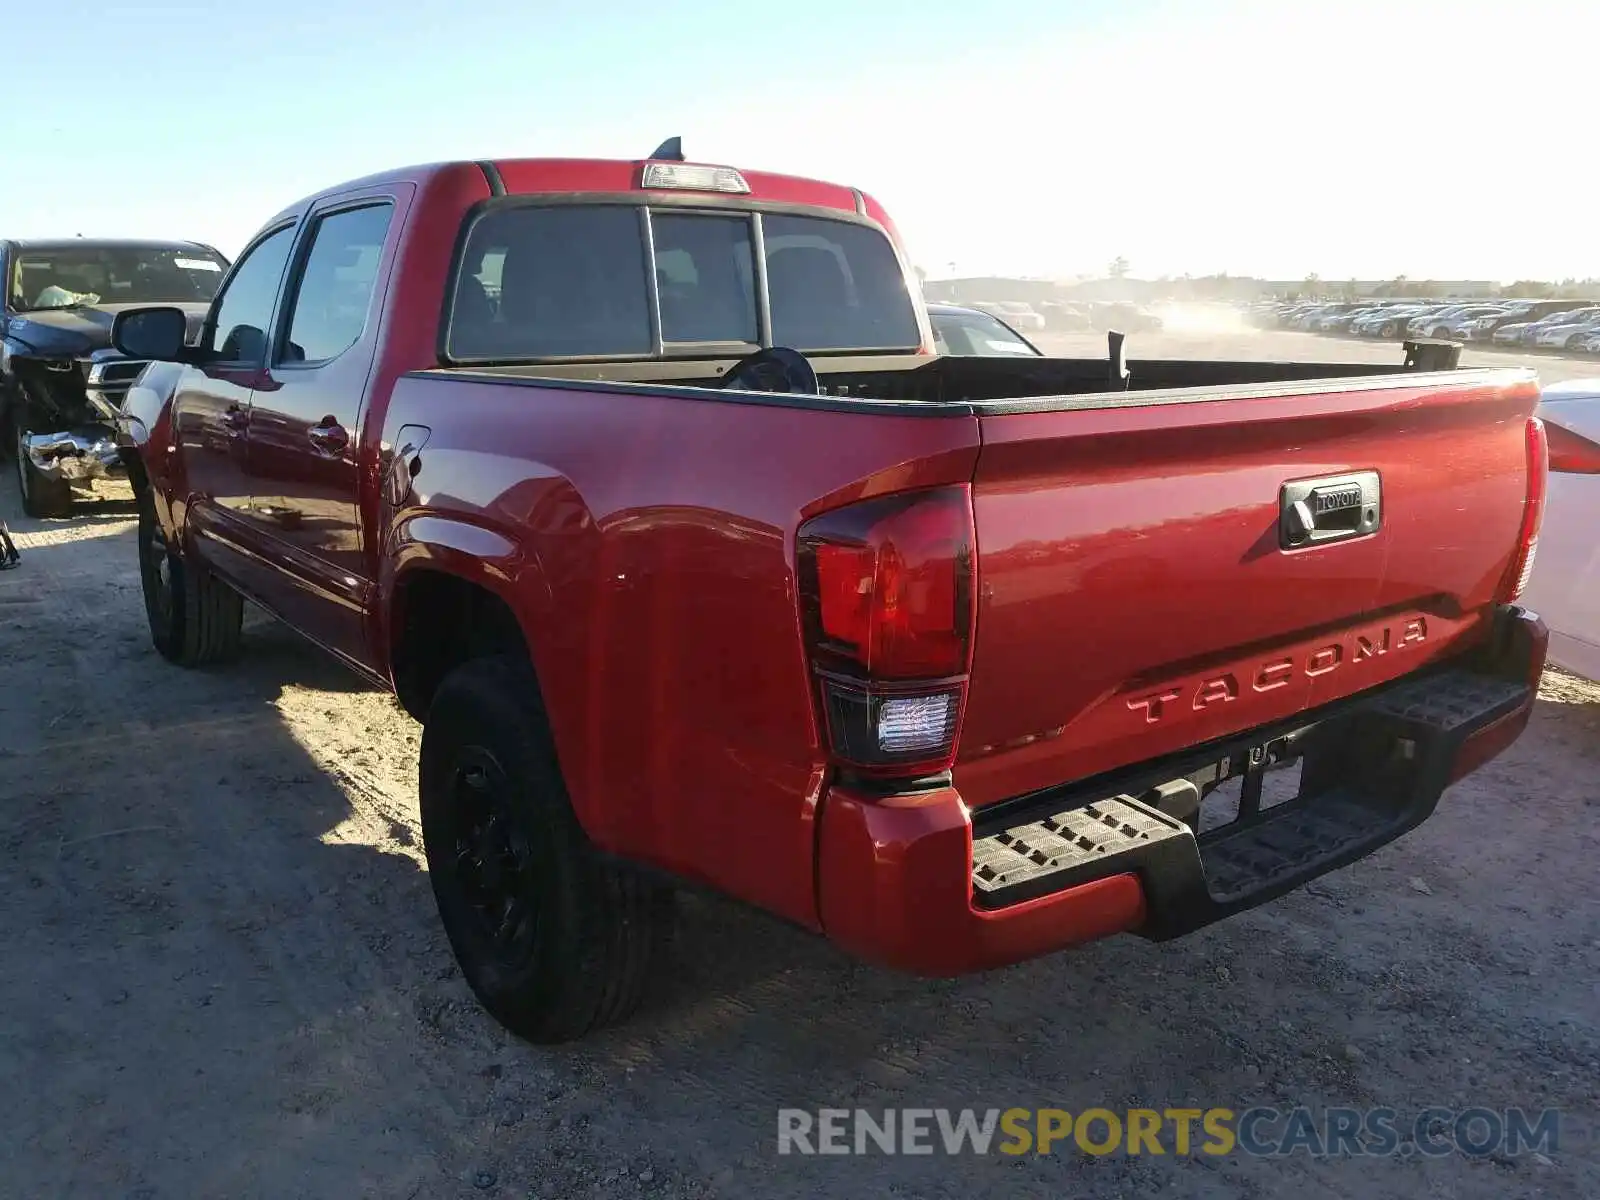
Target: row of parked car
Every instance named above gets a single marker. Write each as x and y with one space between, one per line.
1563 326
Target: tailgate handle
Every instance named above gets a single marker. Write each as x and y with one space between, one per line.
1312 512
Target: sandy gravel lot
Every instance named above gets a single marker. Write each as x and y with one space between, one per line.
222 974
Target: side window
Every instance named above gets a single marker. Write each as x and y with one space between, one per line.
239 332
334 291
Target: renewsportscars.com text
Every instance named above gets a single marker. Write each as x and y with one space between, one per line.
1258 1132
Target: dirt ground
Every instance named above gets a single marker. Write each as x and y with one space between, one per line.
222 973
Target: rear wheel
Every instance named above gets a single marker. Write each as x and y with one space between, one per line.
194 617
1388 329
553 940
41 495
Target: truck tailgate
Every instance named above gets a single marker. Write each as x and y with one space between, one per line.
1134 594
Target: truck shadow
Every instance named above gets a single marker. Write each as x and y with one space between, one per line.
198 913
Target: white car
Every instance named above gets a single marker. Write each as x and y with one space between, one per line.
1455 325
961 330
1568 335
1015 313
1565 586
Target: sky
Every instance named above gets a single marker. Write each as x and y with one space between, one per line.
1355 139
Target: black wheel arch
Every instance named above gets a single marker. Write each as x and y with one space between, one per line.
439 620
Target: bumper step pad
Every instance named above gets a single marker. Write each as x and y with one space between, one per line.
1028 860
1295 838
1371 771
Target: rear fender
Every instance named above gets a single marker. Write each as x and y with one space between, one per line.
451 545
466 550
501 565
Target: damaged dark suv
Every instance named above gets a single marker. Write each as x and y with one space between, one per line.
61 383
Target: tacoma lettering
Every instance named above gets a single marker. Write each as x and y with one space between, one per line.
1367 648
1152 704
1212 690
1274 674
1324 660
1223 687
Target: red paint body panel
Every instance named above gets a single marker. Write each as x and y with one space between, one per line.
547 175
1131 597
658 595
1130 554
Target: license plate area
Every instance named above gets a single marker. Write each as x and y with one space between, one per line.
1241 788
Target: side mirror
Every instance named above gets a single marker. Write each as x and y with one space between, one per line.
157 333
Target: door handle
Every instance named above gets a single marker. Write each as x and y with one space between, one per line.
235 420
329 436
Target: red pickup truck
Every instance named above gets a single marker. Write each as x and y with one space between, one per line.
641 486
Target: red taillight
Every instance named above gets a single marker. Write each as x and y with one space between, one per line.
893 581
886 586
1521 568
1571 453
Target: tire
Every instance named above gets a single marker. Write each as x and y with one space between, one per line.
501 838
195 619
41 497
1388 330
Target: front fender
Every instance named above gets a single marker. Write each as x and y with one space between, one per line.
147 407
143 435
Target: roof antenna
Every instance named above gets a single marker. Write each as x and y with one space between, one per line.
672 148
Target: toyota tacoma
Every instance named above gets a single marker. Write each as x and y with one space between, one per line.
640 484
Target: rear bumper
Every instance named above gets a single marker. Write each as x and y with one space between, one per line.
910 882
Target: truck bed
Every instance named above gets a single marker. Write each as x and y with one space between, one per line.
949 384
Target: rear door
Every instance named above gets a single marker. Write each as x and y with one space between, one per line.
1135 594
305 448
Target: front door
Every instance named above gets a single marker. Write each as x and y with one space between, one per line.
305 446
211 406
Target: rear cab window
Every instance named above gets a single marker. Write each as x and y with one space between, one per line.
622 280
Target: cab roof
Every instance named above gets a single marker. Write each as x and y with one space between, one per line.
536 176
